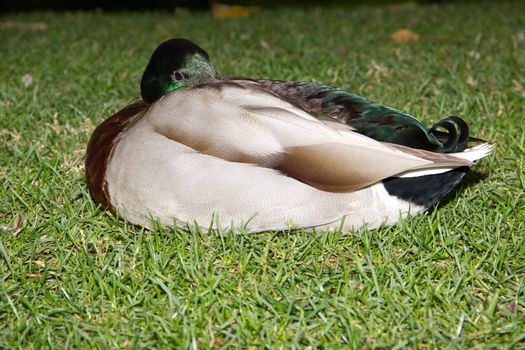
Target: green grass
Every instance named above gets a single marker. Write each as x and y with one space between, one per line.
73 276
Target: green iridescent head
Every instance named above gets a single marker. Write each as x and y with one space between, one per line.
174 64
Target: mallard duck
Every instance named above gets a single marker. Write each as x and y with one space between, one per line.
258 155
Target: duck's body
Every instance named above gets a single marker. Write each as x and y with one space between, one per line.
239 152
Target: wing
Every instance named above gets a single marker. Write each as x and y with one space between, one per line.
371 119
242 122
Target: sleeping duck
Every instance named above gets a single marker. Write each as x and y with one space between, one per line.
257 155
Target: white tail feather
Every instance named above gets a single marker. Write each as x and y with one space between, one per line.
470 154
476 152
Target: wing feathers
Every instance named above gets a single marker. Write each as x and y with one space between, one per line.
339 167
439 159
246 124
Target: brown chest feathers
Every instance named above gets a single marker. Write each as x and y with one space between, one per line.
100 149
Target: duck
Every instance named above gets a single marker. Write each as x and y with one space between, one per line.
255 155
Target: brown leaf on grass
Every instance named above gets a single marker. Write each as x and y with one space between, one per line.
33 26
236 268
404 35
19 222
232 11
214 342
512 307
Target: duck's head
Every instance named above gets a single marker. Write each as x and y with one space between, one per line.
174 64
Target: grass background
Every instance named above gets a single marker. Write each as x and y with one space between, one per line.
73 276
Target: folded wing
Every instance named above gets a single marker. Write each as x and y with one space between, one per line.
242 122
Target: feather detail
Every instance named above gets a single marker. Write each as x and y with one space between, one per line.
475 153
244 123
100 150
341 168
371 119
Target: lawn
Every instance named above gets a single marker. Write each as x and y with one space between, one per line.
73 276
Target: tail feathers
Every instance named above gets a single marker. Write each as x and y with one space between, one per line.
470 154
475 153
384 124
427 186
425 190
457 136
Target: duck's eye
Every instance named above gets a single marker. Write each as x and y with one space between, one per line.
178 76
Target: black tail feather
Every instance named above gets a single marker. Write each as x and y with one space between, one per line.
425 190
